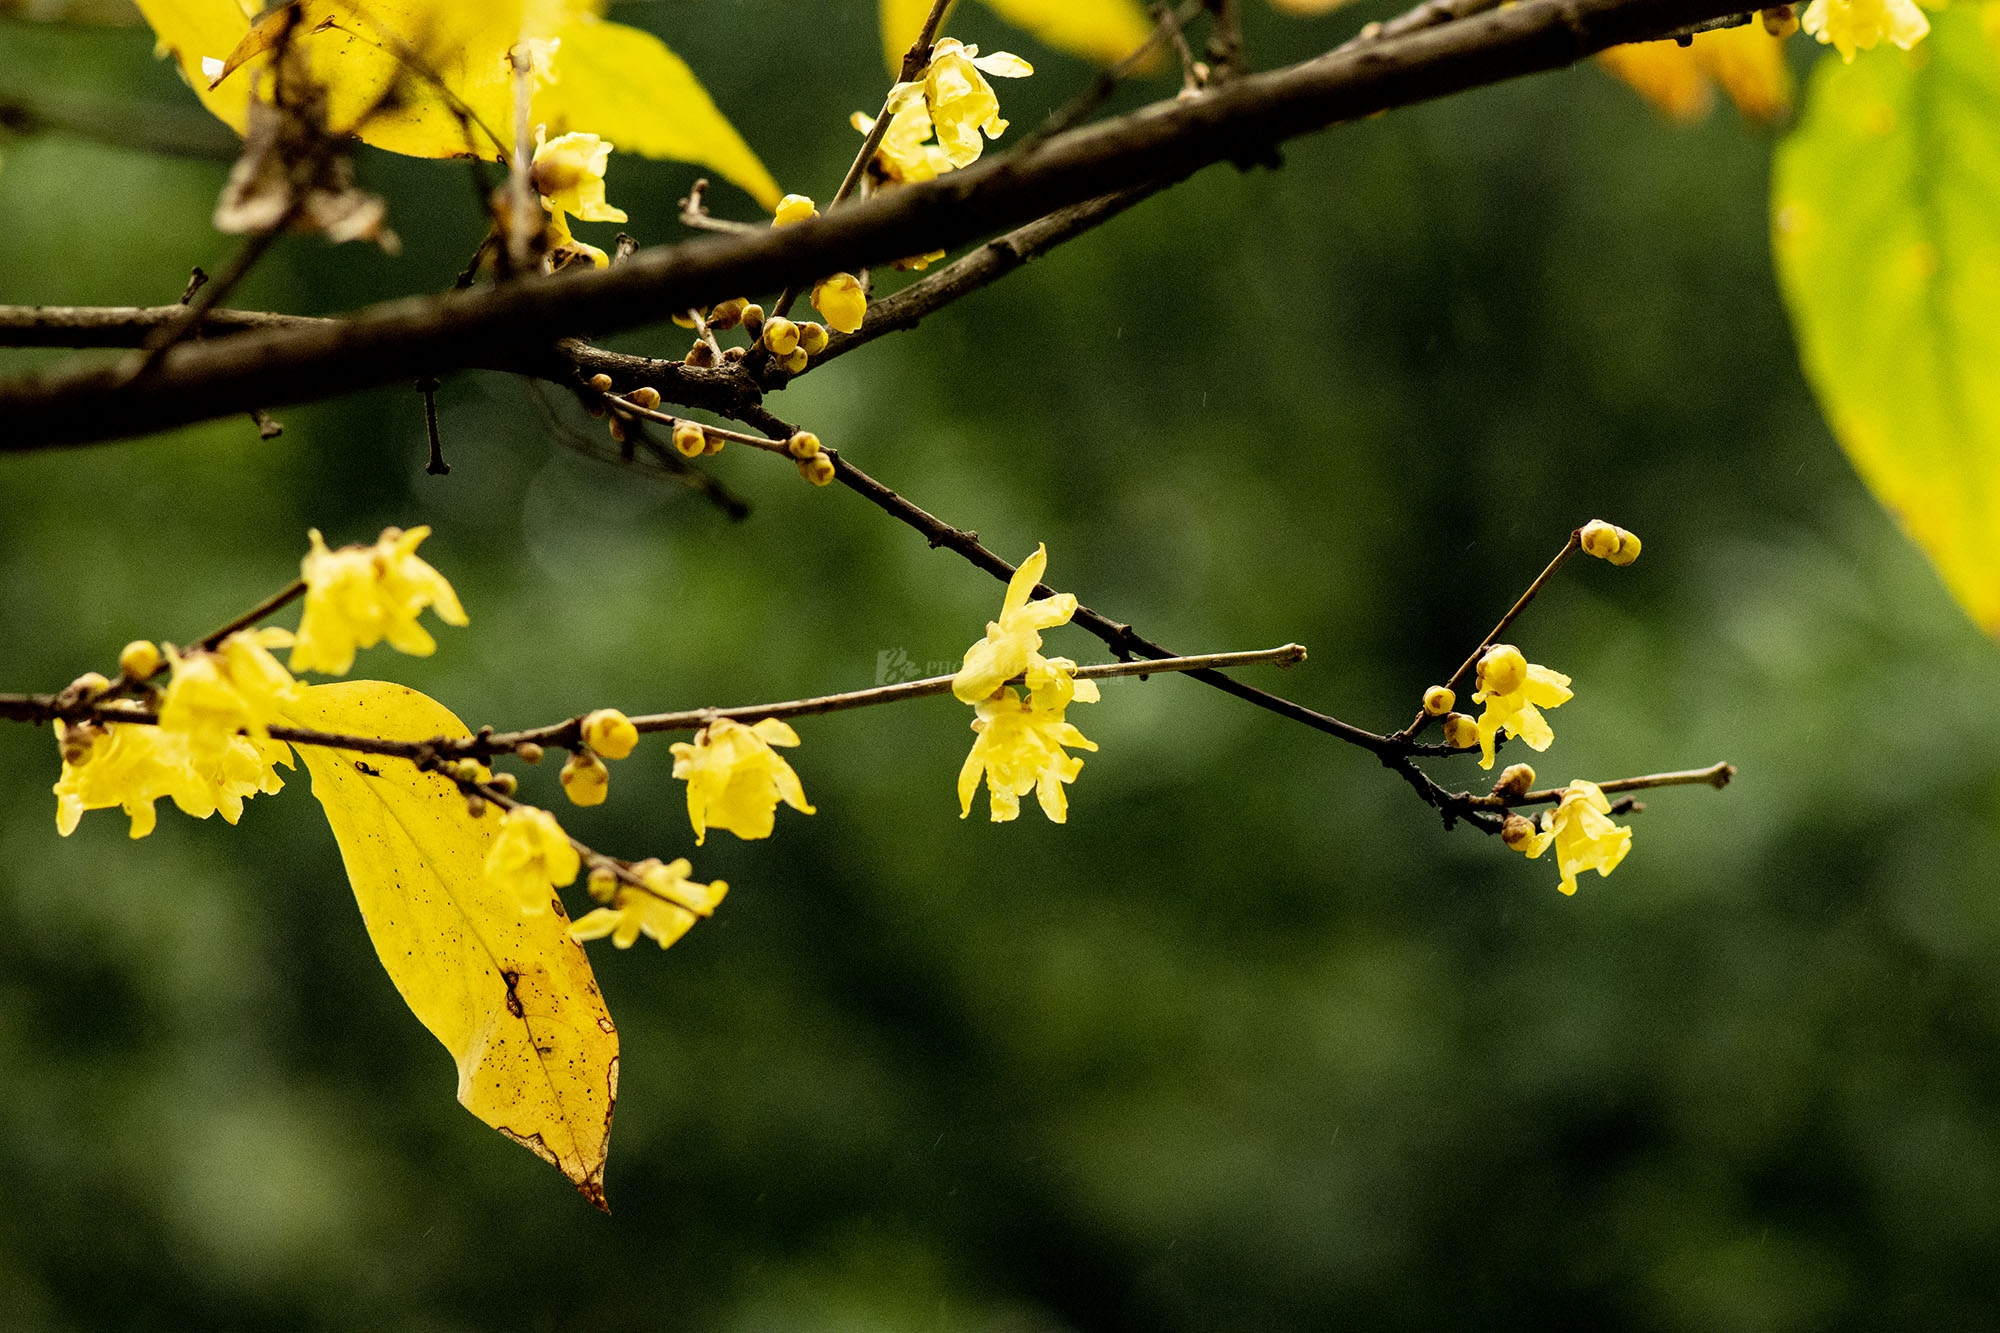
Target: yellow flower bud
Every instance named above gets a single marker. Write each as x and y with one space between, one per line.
505 783
1518 832
1460 731
701 356
603 882
1438 701
841 300
646 396
793 208
727 315
586 779
475 805
691 440
753 318
733 354
780 335
1515 780
610 733
616 425
818 469
528 752
1599 538
1780 21
794 361
139 659
1628 548
1502 670
715 443
803 444
601 382
812 338
89 685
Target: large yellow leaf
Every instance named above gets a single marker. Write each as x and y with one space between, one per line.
627 86
510 996
1886 211
447 64
1102 30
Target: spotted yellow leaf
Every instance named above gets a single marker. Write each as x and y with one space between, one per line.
510 995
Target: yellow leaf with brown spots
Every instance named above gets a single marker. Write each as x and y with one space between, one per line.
510 996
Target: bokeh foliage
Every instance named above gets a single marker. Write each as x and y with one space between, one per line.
1250 1042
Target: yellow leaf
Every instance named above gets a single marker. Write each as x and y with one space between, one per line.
432 78
625 85
511 996
1102 30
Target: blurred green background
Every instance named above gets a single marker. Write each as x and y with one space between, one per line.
1251 1042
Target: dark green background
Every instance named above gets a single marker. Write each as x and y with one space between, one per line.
1252 1042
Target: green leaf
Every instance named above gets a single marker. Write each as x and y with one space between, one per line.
1886 227
510 996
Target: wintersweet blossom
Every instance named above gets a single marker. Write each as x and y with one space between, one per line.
665 909
1021 748
359 595
531 856
1012 641
131 766
841 299
1852 25
610 733
735 779
568 172
239 687
1514 691
905 155
961 103
1584 836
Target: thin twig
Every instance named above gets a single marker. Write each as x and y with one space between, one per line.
436 467
1072 112
1717 776
271 605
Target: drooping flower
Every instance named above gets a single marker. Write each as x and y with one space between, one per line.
960 101
359 595
1852 25
1514 691
568 172
905 155
665 909
841 300
530 857
1012 641
735 779
130 766
1581 829
1021 748
239 687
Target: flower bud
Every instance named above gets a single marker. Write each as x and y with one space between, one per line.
1438 701
505 783
691 440
1502 670
1599 538
1515 780
610 733
1517 832
139 659
616 425
701 356
727 315
586 779
1628 548
780 335
89 685
475 805
803 444
818 469
753 318
603 882
793 208
794 361
813 338
1460 731
601 383
528 752
715 443
645 396
733 354
1780 21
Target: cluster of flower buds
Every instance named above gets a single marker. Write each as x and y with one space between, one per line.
606 734
1609 542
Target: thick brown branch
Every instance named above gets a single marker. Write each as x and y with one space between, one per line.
1162 142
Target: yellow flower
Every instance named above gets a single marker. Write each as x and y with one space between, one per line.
568 172
610 733
1020 749
735 780
1580 827
794 208
359 595
239 687
961 103
1859 24
530 856
1679 81
841 300
905 156
1514 690
664 909
560 249
131 766
1010 645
